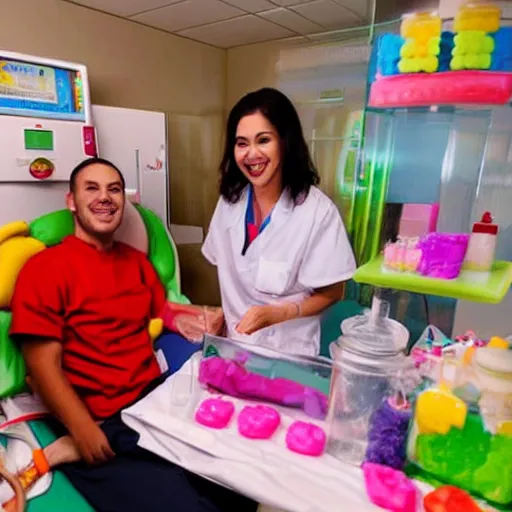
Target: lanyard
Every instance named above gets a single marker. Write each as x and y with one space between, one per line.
250 226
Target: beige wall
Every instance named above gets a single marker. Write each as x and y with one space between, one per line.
138 67
249 68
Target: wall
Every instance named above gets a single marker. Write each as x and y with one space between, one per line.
138 67
249 68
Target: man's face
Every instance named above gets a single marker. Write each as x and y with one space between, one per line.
98 200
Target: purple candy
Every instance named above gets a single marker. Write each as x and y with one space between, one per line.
387 436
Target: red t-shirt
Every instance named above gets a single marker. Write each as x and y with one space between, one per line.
98 304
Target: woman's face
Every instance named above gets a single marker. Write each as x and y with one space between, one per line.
257 150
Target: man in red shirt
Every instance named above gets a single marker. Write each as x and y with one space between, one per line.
81 312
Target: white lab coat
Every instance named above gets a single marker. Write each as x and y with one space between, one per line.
304 247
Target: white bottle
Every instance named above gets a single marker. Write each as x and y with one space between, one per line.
482 245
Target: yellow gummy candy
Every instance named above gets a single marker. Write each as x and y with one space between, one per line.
156 326
505 428
408 49
472 42
437 411
497 342
459 62
421 26
484 17
416 65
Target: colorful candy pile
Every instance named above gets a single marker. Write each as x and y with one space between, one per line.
477 43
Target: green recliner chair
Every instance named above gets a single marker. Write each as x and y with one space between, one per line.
141 228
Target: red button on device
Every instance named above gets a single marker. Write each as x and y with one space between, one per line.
89 135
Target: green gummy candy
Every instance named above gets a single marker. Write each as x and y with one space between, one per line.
493 480
455 456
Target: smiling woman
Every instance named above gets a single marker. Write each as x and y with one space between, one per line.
278 242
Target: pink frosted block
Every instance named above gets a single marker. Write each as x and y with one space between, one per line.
390 255
215 413
306 439
389 488
412 259
418 219
258 422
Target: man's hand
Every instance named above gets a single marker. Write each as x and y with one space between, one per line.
44 364
214 320
92 443
259 317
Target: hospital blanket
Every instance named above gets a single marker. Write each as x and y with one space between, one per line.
263 470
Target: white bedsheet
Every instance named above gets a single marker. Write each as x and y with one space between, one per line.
263 470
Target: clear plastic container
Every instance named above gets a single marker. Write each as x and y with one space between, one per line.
284 375
370 365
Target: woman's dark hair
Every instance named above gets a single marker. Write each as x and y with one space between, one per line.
298 170
88 162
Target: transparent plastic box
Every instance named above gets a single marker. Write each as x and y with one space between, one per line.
313 372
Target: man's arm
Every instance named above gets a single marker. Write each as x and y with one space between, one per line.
43 359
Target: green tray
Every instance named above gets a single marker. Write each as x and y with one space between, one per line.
468 286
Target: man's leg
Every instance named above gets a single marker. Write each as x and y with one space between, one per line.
139 481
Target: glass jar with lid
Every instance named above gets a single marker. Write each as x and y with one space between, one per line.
369 365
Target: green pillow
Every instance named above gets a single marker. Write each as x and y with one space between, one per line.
53 227
12 365
161 250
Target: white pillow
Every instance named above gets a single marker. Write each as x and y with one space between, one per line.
132 230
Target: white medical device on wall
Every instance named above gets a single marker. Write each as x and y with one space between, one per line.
46 118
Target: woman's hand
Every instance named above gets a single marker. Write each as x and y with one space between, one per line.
259 317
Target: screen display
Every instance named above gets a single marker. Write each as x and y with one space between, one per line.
28 89
41 140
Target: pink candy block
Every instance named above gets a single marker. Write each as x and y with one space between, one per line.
215 413
306 439
258 422
389 488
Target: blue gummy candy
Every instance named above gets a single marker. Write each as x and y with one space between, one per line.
503 42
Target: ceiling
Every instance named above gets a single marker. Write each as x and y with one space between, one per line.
229 23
